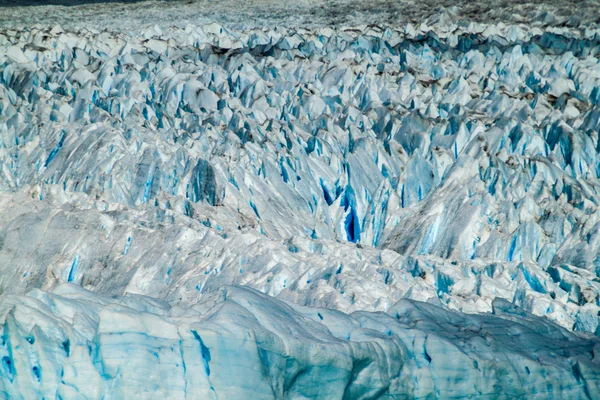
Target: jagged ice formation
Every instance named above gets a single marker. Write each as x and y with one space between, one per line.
355 169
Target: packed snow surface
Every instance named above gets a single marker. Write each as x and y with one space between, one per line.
348 172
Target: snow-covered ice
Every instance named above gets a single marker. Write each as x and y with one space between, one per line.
418 201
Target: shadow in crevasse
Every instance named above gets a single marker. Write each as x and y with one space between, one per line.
32 3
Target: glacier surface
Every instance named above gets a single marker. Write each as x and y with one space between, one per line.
411 197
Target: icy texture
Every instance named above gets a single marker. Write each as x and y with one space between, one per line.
289 194
343 168
240 343
130 14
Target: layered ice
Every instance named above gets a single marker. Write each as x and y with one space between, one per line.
70 343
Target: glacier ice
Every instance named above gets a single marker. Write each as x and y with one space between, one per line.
72 343
462 163
411 200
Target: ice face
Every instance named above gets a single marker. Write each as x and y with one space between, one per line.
72 343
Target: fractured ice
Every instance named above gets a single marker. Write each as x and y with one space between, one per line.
239 343
353 169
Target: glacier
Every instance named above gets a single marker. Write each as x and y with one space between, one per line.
239 342
215 206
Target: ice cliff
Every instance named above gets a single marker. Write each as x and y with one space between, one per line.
360 170
239 343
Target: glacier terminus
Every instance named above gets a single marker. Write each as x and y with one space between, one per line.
318 200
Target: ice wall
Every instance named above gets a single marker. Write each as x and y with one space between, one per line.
70 343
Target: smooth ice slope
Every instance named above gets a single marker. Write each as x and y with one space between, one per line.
71 343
